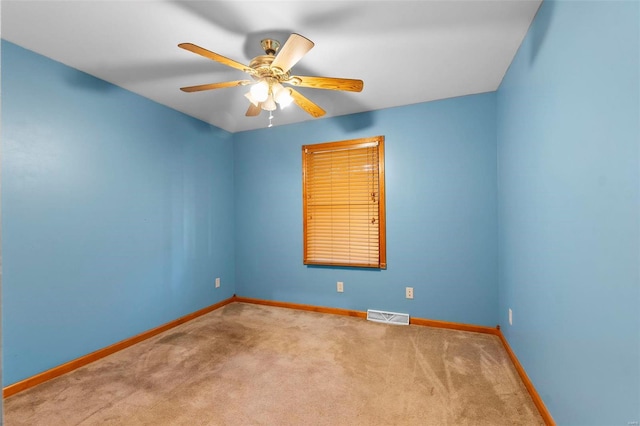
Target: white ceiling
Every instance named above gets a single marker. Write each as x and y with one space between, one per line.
405 51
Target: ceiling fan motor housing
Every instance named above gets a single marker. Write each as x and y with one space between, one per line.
261 65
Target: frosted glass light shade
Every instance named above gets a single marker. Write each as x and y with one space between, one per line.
260 91
282 95
249 96
269 104
284 98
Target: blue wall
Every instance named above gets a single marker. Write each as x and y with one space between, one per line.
441 213
568 140
116 213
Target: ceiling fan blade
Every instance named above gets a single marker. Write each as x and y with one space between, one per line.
212 86
293 50
306 104
328 83
254 110
211 55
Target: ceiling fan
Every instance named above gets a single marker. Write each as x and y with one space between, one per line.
270 71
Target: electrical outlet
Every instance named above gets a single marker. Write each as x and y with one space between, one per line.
340 287
510 317
409 293
217 282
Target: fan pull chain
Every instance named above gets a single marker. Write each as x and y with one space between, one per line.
270 118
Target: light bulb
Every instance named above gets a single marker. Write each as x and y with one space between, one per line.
260 91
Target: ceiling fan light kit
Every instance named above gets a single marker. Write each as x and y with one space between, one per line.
269 72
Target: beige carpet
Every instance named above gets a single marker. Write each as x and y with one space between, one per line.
255 365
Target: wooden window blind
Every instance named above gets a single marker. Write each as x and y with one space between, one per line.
343 203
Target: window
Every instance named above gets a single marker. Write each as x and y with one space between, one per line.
343 203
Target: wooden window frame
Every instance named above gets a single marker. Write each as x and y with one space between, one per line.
343 146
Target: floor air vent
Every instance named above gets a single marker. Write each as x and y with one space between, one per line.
387 317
